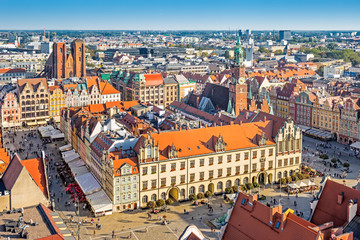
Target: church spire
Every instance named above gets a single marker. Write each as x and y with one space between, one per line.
239 54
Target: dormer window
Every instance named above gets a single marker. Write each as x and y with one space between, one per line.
277 225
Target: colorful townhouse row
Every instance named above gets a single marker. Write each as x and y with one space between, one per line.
34 102
134 167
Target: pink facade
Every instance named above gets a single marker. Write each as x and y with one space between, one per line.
10 111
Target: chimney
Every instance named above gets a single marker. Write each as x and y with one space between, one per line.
253 198
351 210
340 198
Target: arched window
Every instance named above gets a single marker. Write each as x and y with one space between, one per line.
285 174
202 189
246 180
237 182
192 190
279 175
163 195
148 151
182 192
219 186
153 197
228 183
145 199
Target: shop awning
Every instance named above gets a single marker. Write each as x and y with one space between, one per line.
71 157
355 145
100 202
88 183
293 186
302 184
57 136
76 163
66 147
78 171
67 153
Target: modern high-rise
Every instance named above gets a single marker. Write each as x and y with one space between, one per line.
285 35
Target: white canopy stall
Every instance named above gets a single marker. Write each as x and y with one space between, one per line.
100 203
88 183
64 148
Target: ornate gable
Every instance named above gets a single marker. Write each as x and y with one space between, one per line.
220 144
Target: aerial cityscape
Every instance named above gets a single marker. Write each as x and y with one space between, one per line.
189 120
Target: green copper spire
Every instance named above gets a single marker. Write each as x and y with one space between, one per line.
239 54
249 96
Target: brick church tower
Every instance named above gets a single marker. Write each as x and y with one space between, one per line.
59 60
64 64
238 86
78 53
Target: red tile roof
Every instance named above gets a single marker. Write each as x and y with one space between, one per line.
153 79
202 140
36 169
328 209
251 219
15 70
107 88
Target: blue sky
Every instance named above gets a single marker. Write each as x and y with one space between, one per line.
180 14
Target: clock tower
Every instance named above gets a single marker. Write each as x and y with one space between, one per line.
238 86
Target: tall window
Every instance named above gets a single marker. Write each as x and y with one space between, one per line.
148 151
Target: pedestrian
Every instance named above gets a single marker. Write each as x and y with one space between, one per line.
113 234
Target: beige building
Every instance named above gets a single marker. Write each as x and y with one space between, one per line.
151 88
25 184
33 100
326 114
179 163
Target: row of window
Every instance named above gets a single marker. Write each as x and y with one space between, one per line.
220 173
126 196
220 160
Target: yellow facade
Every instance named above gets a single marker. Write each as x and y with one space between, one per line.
282 108
326 115
57 102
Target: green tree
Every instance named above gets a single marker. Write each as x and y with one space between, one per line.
278 52
208 194
160 202
256 185
151 205
192 197
169 201
320 71
249 186
229 190
332 46
263 50
200 195
235 189
346 165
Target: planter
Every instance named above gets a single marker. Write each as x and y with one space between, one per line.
246 171
237 173
201 178
144 189
182 168
153 173
228 174
153 187
220 176
172 170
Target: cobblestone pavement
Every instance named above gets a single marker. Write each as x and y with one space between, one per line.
136 225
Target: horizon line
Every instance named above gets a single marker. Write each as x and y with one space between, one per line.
225 30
